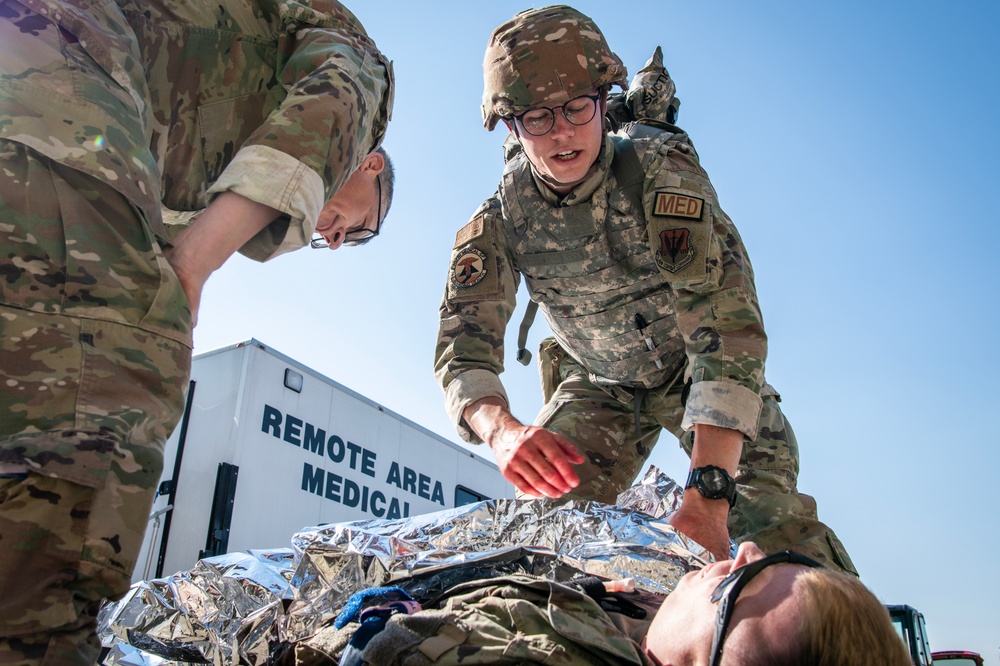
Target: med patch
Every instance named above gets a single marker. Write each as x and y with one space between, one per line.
672 204
679 240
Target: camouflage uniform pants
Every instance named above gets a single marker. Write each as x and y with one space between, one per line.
92 385
769 509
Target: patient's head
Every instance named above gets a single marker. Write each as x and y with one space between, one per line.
783 609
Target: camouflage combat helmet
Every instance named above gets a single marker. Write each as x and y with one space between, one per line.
545 56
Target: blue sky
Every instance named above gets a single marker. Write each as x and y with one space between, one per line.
852 143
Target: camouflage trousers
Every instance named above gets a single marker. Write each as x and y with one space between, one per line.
769 509
93 383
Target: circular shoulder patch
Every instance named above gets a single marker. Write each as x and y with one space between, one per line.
468 269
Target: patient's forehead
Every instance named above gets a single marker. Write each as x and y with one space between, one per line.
770 617
766 614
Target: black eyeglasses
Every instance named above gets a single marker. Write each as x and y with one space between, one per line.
357 236
729 589
578 111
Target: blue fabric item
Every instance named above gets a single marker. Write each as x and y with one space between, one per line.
354 604
351 656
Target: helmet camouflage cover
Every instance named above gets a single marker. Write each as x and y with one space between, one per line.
545 56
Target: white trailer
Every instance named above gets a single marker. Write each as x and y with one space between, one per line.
267 447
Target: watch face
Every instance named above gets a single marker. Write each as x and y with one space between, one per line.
713 480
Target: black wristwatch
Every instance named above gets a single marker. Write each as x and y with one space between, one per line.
713 482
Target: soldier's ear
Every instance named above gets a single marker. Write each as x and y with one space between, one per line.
373 163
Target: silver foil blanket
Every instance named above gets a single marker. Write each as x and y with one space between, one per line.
243 608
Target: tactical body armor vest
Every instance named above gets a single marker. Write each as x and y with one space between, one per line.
591 270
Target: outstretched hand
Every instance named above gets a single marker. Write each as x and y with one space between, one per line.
538 462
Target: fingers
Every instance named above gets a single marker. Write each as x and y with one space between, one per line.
522 485
570 451
558 460
540 479
541 464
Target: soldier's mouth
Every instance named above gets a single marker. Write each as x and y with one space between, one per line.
567 156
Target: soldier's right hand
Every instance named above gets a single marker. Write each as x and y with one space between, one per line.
212 237
538 462
191 284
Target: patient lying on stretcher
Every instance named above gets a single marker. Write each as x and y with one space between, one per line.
753 609
506 582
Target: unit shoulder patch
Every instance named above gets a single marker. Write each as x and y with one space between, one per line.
676 249
469 268
681 241
673 204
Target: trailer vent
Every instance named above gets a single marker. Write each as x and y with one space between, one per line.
293 380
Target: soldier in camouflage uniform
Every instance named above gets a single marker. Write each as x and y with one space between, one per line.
267 115
646 286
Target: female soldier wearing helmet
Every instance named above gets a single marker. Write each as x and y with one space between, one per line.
649 293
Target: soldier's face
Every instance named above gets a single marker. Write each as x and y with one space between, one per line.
564 155
765 612
354 206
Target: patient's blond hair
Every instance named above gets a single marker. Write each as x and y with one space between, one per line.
844 624
840 623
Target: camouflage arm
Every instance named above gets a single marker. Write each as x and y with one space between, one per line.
700 252
271 177
333 116
478 302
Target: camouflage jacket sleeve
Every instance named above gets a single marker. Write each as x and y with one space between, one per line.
698 250
478 302
335 113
